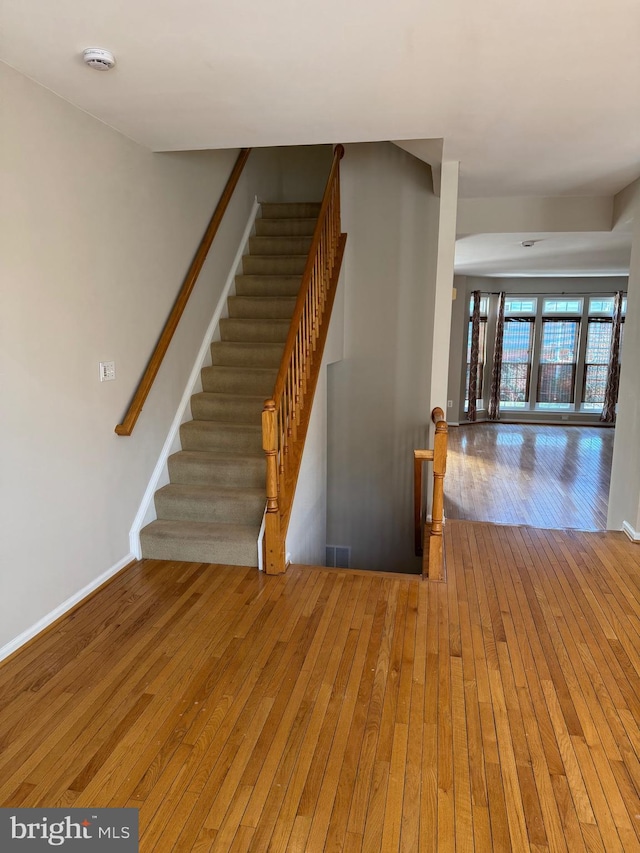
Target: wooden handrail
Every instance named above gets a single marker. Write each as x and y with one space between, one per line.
306 276
285 417
434 567
153 366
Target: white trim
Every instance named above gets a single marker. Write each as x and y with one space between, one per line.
261 539
634 535
41 624
146 510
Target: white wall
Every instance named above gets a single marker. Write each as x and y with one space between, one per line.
457 347
516 214
97 234
441 307
379 394
307 533
624 497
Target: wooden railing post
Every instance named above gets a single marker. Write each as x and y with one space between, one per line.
274 563
436 553
433 567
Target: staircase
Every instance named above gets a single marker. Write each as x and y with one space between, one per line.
212 508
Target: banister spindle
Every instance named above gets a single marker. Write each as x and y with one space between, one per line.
299 370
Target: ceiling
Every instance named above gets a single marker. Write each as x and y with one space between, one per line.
599 253
532 98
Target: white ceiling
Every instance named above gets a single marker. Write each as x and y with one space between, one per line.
533 98
600 253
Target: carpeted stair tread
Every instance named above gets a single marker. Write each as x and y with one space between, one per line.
247 354
210 468
273 264
245 380
179 502
287 245
201 542
241 330
219 437
300 227
262 307
268 285
291 210
230 408
212 508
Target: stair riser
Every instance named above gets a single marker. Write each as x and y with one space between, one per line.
231 411
228 380
228 510
220 440
279 245
222 553
288 210
267 285
255 307
239 473
285 227
266 265
258 331
228 354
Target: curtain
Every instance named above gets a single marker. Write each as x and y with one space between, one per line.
496 370
613 373
475 351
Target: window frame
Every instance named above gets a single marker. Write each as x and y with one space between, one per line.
545 310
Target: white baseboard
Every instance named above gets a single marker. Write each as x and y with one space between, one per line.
41 624
146 511
634 535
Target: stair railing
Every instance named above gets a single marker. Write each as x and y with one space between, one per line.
153 366
433 565
285 417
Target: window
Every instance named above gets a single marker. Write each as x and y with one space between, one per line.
482 352
557 369
518 307
596 363
516 362
596 359
562 306
555 355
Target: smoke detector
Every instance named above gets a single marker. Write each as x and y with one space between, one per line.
98 58
527 244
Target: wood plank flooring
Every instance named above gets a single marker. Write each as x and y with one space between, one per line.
328 710
545 476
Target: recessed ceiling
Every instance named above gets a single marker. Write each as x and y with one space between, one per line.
598 253
533 99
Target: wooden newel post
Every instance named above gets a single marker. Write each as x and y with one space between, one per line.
436 554
274 550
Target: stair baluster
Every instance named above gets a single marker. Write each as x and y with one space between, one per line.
300 366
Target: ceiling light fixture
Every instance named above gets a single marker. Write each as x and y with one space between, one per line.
527 244
98 58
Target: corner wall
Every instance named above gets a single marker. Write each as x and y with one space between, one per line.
624 496
379 395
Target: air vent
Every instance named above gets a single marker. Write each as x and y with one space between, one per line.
338 556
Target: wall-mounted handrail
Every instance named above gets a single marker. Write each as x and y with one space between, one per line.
433 568
286 416
153 366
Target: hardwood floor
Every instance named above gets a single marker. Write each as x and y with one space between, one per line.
328 710
545 476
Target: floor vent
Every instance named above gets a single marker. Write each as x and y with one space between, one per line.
338 556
